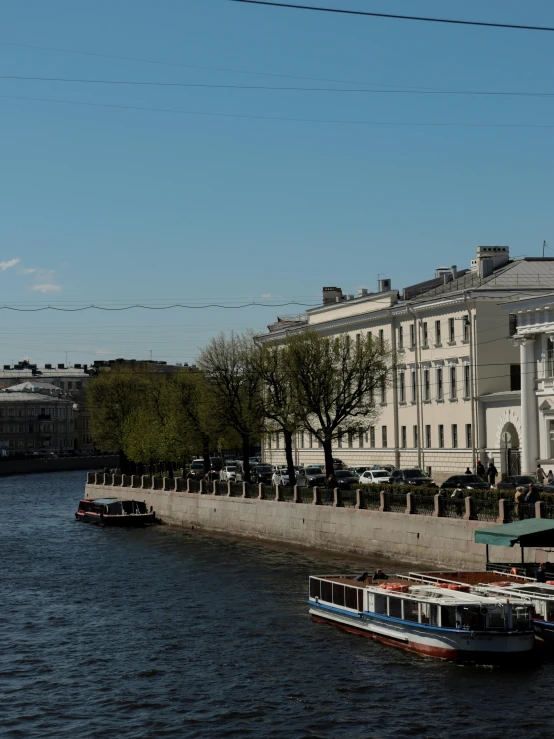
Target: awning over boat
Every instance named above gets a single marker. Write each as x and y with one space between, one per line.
533 532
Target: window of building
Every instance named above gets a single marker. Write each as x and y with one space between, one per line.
269 441
21 429
30 411
428 437
401 388
441 436
31 428
401 337
350 440
21 412
424 334
1 413
384 442
300 439
381 338
466 324
339 439
469 439
277 440
319 444
21 444
512 324
372 437
454 436
414 386
79 384
31 443
403 437
437 333
426 384
11 428
451 331
383 391
61 385
439 383
70 385
310 440
358 339
361 440
453 386
515 376
412 336
11 412
467 381
11 444
416 437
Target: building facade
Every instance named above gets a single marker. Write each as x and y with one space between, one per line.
33 422
458 365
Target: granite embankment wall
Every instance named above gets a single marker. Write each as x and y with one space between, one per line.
30 466
422 539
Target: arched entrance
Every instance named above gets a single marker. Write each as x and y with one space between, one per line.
509 450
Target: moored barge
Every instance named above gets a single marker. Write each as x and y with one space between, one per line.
449 623
114 512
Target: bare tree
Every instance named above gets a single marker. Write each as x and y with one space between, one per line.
235 386
334 384
280 402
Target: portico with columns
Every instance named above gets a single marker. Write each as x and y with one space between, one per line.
534 320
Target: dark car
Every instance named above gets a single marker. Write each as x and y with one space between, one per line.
346 478
516 481
466 482
411 476
261 473
307 477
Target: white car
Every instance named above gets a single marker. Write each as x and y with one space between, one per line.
228 473
374 477
280 474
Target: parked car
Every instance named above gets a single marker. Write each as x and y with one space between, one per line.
310 477
360 470
197 469
467 482
261 473
346 478
217 463
411 476
514 481
338 464
373 477
228 473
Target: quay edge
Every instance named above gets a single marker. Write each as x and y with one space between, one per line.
412 538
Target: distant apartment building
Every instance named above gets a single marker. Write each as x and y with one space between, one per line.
31 421
457 361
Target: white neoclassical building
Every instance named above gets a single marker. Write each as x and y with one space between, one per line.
456 398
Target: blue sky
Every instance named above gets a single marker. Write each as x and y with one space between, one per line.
113 205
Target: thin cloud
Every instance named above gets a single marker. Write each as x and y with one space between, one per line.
10 263
26 271
45 287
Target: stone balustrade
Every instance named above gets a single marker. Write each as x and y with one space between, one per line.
468 509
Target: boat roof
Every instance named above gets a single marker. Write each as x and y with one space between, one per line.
532 532
423 592
104 501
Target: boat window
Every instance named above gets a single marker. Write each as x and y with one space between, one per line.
472 618
497 619
141 507
127 506
448 617
380 604
314 588
326 591
115 509
395 607
351 598
411 610
338 594
429 614
360 599
549 610
520 617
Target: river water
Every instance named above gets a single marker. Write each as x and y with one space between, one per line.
172 633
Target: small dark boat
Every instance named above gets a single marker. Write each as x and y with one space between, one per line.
114 512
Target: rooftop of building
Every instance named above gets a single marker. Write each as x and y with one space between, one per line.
30 397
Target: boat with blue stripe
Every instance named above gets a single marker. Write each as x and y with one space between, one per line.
448 622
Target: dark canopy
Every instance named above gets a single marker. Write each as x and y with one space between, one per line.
534 532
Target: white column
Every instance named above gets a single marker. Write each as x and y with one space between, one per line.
529 408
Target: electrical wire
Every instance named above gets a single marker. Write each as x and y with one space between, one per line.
203 85
394 16
148 307
409 124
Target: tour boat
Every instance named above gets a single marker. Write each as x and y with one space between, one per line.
539 595
114 512
446 621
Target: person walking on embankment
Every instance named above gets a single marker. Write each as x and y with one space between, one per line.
492 473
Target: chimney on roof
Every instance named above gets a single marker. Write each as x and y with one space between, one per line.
486 266
362 292
384 286
332 295
498 256
454 270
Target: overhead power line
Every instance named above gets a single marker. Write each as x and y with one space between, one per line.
149 109
202 85
150 307
393 16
